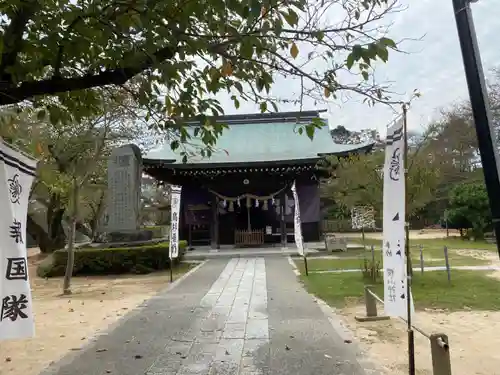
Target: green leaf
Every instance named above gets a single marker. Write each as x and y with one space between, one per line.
263 107
388 42
246 48
291 17
350 61
236 102
310 131
260 84
320 35
174 145
383 53
41 115
255 8
238 86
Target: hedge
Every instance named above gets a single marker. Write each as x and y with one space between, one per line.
111 261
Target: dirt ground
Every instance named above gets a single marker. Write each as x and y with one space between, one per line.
67 323
473 338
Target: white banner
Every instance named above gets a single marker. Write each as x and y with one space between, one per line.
175 208
394 215
16 310
297 222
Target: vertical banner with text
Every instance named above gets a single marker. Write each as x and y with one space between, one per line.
175 207
394 216
16 311
297 224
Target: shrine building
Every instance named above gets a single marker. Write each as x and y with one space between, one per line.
241 194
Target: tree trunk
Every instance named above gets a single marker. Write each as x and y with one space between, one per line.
97 213
39 235
55 216
71 240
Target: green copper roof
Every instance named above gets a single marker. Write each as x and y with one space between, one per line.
261 142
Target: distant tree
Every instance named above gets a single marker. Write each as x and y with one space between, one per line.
358 180
66 151
342 135
469 208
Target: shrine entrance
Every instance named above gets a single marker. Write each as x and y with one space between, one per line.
249 219
238 194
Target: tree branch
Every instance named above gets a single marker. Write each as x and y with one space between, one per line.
55 85
13 38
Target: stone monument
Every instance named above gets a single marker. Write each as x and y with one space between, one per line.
124 195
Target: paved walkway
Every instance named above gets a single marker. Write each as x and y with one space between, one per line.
239 316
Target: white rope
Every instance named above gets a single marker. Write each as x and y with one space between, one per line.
244 196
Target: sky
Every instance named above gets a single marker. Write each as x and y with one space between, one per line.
432 64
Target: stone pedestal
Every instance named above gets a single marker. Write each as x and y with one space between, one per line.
134 236
124 196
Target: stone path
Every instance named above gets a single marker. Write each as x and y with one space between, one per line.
239 316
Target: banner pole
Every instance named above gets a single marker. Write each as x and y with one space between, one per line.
171 271
411 337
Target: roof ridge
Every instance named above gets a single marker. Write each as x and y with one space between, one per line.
274 117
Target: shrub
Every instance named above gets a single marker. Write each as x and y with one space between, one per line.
371 269
45 267
108 261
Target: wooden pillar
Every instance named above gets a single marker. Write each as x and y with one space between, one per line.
190 237
215 223
282 219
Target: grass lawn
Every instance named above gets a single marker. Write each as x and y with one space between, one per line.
435 243
354 259
433 254
468 289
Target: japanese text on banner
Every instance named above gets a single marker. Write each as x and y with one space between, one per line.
175 206
16 311
394 258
